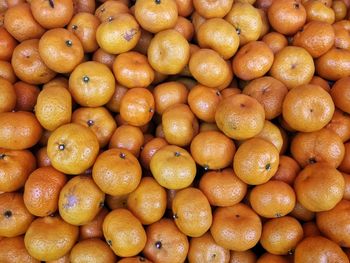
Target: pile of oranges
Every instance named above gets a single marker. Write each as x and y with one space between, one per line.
175 131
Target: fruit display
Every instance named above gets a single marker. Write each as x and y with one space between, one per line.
171 131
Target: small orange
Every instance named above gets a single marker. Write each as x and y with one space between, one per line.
92 84
281 235
60 50
340 124
311 229
93 229
103 57
124 233
8 95
41 191
256 161
117 172
347 186
173 167
334 64
168 51
127 137
288 170
222 188
19 130
212 150
236 227
14 216
308 108
149 149
109 10
272 134
118 35
80 200
49 238
247 256
317 11
319 187
12 249
184 7
41 157
301 213
294 66
340 10
209 9
7 44
272 199
114 103
156 15
7 72
72 148
132 70
26 96
184 27
271 258
340 93
275 41
137 106
116 201
320 82
240 116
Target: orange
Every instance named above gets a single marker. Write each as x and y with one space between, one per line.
165 242
84 6
345 165
80 200
184 7
281 235
60 50
287 17
185 27
132 70
114 103
272 199
109 10
92 84
308 108
192 212
8 95
341 94
7 72
334 64
320 82
316 37
179 125
14 216
41 191
19 130
124 233
340 9
288 170
219 35
204 249
28 65
340 124
320 146
149 149
15 167
334 223
20 23
116 201
270 92
52 14
271 258
342 38
137 106
311 229
256 161
156 15
319 187
148 201
92 250
272 134
252 61
203 102
222 188
316 249
99 120
247 256
275 41
240 116
93 229
42 158
127 137
103 57
12 249
49 238
209 68
84 26
118 35
144 41
293 66
347 186
173 167
236 227
72 148
168 51
135 259
212 150
53 107
7 44
212 9
26 96
301 213
117 172
247 21
317 11
169 93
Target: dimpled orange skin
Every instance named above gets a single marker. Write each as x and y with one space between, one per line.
19 130
80 146
334 65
